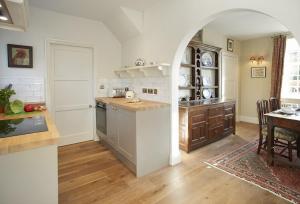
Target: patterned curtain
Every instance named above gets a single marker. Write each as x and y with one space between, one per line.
277 65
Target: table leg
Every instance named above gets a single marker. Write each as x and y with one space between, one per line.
270 142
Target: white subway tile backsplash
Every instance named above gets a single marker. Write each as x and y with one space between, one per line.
27 89
137 84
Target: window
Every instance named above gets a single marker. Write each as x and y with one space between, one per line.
291 72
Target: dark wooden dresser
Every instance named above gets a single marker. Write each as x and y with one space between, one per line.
205 121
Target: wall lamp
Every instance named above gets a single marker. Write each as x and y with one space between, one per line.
258 60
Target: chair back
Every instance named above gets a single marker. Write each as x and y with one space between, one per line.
262 109
274 104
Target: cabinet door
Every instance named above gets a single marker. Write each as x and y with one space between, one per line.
198 127
229 123
229 120
112 126
126 134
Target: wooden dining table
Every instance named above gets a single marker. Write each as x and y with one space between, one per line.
277 119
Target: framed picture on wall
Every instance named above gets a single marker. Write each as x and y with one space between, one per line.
19 56
258 72
230 45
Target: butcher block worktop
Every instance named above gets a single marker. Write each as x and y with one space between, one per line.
29 141
125 104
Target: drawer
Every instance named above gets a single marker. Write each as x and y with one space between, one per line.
228 110
215 121
198 116
216 111
216 132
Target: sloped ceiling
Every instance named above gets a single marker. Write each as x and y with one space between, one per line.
123 17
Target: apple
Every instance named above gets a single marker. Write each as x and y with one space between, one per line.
29 108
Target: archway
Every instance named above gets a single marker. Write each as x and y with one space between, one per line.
175 152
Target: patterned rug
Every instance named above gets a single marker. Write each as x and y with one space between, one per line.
280 179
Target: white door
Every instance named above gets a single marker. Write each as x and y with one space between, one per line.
230 80
71 86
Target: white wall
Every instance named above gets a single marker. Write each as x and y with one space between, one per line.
44 25
170 24
253 89
212 37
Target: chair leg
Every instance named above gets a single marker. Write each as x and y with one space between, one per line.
260 141
290 148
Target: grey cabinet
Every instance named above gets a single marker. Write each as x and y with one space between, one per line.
140 139
112 120
121 132
127 134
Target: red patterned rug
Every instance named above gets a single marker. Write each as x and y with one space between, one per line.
280 179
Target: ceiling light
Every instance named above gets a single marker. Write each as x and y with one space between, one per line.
0 5
3 18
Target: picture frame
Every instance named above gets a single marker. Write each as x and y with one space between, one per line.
230 45
258 72
19 56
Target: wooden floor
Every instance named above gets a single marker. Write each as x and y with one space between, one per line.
89 173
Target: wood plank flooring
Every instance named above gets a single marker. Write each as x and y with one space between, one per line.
89 173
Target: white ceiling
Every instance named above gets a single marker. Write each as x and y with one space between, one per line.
240 25
92 9
244 25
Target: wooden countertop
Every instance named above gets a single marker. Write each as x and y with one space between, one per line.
29 141
206 102
139 106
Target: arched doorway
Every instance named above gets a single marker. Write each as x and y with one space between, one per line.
175 152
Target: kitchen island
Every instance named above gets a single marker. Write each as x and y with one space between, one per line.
138 133
205 121
28 164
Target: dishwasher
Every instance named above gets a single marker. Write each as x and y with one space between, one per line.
101 117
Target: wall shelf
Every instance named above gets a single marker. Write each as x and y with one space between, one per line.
144 71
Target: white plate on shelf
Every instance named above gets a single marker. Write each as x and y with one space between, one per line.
206 59
182 80
205 81
206 93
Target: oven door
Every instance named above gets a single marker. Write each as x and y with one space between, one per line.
101 118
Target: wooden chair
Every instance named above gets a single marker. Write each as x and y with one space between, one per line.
282 137
274 104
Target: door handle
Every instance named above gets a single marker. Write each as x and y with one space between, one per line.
90 106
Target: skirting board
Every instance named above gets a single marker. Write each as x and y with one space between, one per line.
248 119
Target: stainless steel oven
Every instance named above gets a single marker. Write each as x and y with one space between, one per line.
101 117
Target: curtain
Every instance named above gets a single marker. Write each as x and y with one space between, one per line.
277 65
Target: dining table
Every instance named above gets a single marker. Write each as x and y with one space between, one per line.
279 119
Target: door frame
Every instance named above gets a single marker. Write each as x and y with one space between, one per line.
49 77
230 54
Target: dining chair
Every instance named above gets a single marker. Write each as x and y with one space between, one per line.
282 138
274 103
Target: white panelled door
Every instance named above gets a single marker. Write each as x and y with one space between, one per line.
230 77
71 85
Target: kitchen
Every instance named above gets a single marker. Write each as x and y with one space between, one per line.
110 117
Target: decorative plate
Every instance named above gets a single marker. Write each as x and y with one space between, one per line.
205 81
207 59
206 93
182 80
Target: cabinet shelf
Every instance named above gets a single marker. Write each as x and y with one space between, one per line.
205 67
143 71
187 87
188 65
209 87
